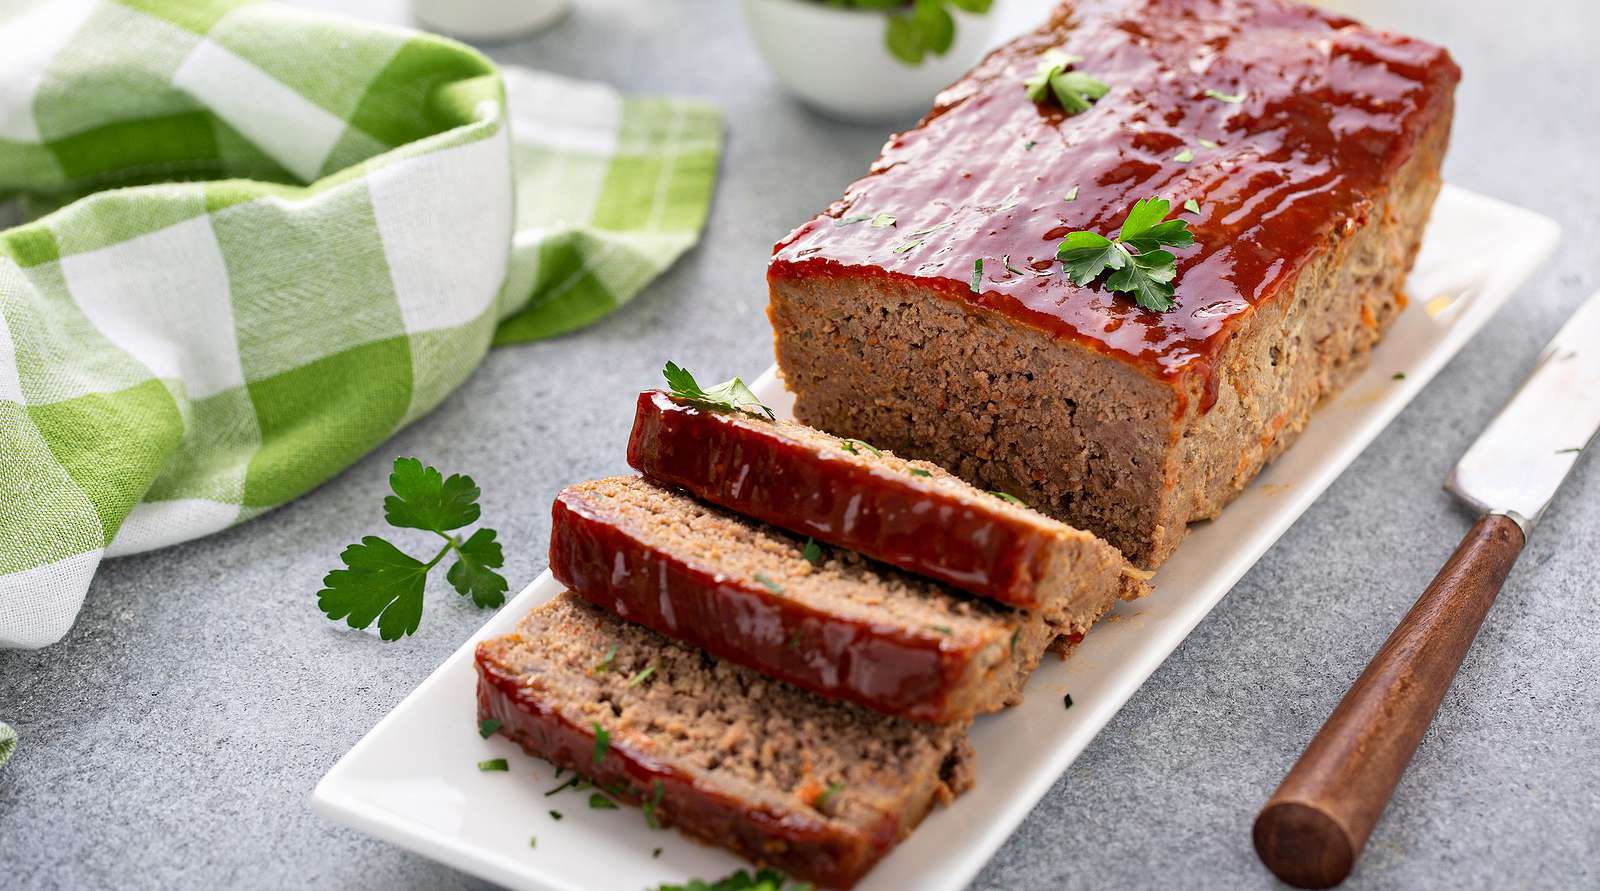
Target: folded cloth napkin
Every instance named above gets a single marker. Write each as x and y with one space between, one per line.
270 238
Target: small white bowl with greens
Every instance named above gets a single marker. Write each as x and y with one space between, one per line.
869 60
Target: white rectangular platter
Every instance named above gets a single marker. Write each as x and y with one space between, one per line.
412 780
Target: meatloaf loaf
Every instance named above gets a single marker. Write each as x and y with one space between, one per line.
912 514
1310 146
821 789
820 618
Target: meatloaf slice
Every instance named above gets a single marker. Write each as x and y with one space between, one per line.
835 623
1310 146
912 514
818 788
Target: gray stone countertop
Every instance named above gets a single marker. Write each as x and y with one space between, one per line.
172 739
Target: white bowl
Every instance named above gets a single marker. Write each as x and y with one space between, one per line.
487 19
835 59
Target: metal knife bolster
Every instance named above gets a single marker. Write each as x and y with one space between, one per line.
1526 452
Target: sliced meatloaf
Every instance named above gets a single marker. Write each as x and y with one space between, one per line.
828 620
1310 146
818 788
912 514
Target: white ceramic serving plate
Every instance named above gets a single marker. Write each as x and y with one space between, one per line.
413 779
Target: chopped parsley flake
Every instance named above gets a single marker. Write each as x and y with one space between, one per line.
977 275
601 803
812 552
882 221
833 789
850 445
573 782
1206 143
917 471
1399 376
766 581
605 664
1072 195
1230 98
1135 259
942 629
1028 146
555 815
488 726
1191 206
602 741
1007 497
1183 157
900 249
533 841
1571 451
852 220
643 675
655 854
657 789
493 764
730 395
1067 701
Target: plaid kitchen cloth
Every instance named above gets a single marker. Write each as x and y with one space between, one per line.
260 240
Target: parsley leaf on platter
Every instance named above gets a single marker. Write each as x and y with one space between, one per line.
1137 264
381 582
730 395
1073 90
765 879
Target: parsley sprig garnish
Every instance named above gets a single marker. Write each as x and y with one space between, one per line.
1074 90
382 582
1135 259
730 395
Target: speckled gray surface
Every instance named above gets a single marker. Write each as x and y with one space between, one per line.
172 739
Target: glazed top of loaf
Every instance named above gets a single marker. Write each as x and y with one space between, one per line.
1331 110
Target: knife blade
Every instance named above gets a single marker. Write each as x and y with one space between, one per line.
1313 828
1522 457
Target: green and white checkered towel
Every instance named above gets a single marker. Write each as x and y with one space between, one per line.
270 239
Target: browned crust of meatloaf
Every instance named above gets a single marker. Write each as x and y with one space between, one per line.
914 515
721 753
1079 435
845 627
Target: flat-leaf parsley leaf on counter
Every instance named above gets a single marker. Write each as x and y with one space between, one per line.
1135 259
730 395
382 582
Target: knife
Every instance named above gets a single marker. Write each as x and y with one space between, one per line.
1312 830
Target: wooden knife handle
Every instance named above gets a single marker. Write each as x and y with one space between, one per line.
1313 828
